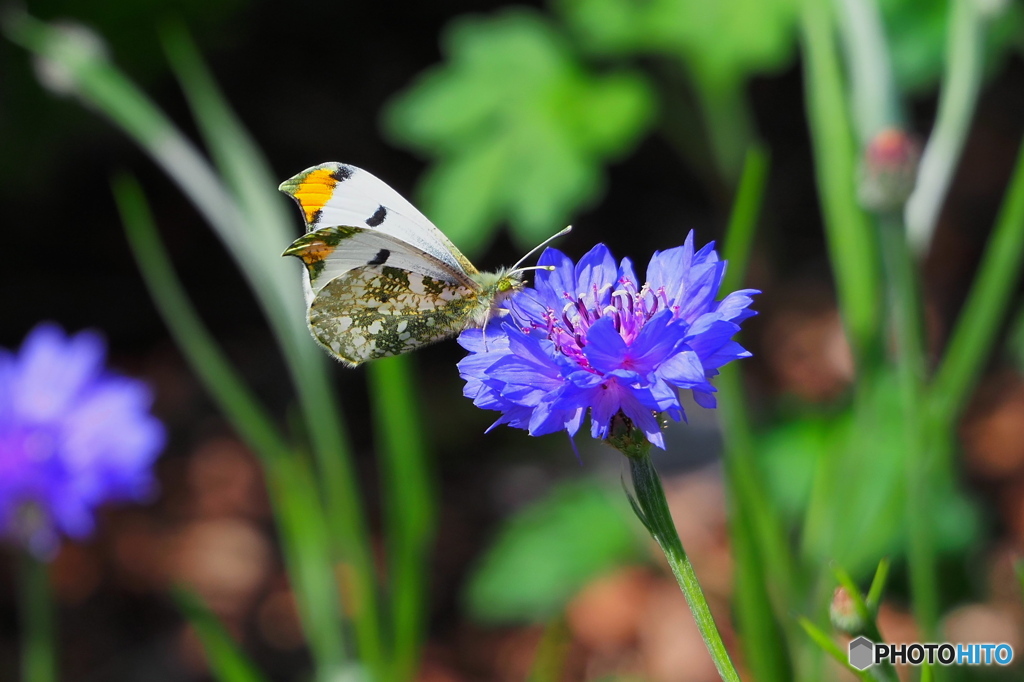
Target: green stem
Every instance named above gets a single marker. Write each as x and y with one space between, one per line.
905 317
652 508
741 468
975 332
409 506
38 653
873 95
306 542
549 661
746 209
728 123
766 574
850 240
960 85
754 518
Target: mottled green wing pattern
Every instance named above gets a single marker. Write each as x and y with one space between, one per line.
379 310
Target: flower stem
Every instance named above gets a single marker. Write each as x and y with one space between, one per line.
905 315
652 508
38 656
961 83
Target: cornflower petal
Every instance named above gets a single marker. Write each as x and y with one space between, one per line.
736 306
554 287
606 350
684 369
701 291
595 276
627 274
656 342
52 371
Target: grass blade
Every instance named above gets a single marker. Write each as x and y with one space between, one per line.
764 644
975 331
409 504
877 588
746 209
765 568
237 158
246 171
306 540
851 243
826 644
298 513
549 661
227 662
251 421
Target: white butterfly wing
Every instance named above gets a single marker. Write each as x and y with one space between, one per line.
330 252
370 295
336 194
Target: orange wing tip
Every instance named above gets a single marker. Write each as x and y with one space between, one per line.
314 187
310 252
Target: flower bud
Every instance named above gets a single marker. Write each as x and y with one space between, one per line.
888 170
73 47
843 613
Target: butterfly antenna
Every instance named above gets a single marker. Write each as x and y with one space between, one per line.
516 268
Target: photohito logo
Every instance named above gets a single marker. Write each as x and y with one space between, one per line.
864 653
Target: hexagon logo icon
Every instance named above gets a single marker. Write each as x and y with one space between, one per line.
862 653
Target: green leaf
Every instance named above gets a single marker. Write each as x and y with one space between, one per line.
916 30
877 589
847 472
518 128
227 661
720 42
409 503
718 45
580 529
974 334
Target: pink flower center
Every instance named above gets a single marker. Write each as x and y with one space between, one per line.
629 309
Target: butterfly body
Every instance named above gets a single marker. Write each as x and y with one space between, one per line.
381 279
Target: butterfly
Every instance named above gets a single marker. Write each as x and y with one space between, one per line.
381 279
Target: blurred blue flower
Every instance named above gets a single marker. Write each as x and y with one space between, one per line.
590 337
72 436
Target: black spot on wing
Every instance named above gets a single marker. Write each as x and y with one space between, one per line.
378 217
381 258
342 173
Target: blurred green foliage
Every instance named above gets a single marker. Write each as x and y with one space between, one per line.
519 126
842 477
34 130
580 528
719 43
916 31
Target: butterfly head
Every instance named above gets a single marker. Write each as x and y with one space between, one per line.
498 286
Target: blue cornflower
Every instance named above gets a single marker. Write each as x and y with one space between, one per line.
589 336
72 436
